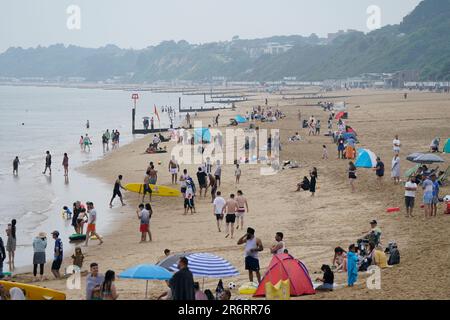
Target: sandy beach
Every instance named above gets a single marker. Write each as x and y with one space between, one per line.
313 226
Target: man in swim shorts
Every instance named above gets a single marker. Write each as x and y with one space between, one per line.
173 169
219 203
147 188
230 209
242 205
201 177
48 163
91 229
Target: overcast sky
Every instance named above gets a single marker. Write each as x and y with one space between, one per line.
140 23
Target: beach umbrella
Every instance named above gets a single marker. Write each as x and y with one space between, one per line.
414 155
169 261
207 265
240 119
428 158
349 135
366 159
146 272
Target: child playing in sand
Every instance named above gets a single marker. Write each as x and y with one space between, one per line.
324 153
67 213
78 258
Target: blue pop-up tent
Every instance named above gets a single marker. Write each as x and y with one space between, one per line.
366 159
202 134
240 119
447 147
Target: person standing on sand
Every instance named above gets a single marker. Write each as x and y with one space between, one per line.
218 172
2 257
182 282
153 175
379 171
93 280
116 191
218 204
395 169
189 197
91 228
352 175
58 255
144 213
352 265
410 196
313 181
237 173
396 145
147 188
213 185
16 163
173 169
11 243
202 183
65 164
230 208
324 152
48 163
435 195
39 246
341 148
242 205
253 245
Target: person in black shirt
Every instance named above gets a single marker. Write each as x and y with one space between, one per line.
201 176
182 282
116 191
379 170
48 163
327 280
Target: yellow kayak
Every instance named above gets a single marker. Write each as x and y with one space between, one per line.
35 292
161 191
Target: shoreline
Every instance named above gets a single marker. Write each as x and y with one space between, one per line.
312 226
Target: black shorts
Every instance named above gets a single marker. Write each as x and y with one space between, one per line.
352 176
56 265
203 185
409 202
147 189
217 177
183 189
117 193
188 203
251 263
230 218
219 217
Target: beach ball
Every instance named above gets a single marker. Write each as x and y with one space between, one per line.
232 286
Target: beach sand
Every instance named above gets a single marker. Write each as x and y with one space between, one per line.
313 226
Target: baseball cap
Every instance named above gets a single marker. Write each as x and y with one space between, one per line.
373 222
55 233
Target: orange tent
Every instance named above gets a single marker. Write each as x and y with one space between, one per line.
283 267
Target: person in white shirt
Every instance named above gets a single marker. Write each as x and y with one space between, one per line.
410 196
219 203
395 169
396 144
279 246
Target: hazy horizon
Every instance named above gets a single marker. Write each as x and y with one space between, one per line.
138 24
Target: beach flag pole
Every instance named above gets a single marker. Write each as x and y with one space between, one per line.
146 288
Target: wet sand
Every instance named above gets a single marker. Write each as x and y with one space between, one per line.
312 226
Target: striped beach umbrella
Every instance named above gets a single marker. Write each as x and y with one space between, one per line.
206 265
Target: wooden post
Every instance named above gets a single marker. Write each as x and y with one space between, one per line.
133 116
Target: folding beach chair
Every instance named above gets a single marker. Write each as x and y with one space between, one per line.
443 178
411 171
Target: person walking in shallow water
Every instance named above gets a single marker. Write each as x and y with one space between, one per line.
16 163
65 164
48 163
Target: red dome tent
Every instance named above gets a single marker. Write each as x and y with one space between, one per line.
283 267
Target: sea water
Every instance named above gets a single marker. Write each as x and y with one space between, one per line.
36 119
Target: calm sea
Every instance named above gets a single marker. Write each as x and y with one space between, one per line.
36 119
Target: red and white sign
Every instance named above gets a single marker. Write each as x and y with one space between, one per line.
134 96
